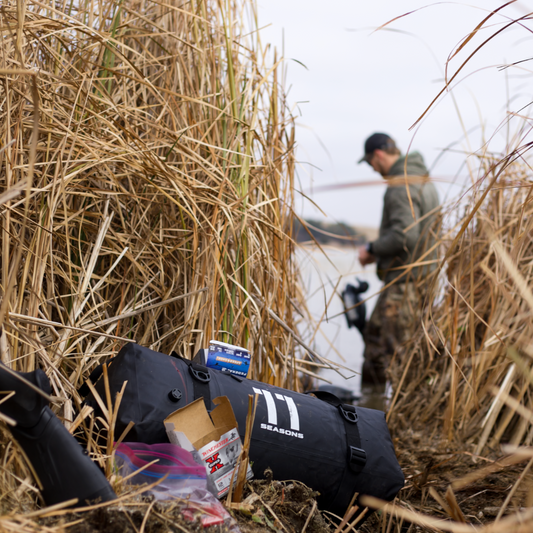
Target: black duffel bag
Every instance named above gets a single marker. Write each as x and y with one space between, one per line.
334 448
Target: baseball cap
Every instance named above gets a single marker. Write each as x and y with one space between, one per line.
377 141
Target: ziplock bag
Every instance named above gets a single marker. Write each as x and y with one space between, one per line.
180 476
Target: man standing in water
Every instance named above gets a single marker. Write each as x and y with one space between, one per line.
406 238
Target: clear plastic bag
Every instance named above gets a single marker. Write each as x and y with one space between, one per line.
183 473
181 478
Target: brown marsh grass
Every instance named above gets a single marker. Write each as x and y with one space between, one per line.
463 384
147 159
146 192
147 165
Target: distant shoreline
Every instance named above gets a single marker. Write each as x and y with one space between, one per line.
337 233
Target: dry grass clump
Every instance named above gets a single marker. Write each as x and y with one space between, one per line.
462 408
146 188
476 338
462 405
147 165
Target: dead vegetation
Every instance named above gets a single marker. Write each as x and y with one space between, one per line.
461 411
147 164
146 189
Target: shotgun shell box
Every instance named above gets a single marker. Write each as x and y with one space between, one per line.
215 436
226 358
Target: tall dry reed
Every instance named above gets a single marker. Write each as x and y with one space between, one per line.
464 381
147 166
472 347
146 178
475 340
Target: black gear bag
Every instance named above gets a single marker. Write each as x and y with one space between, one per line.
334 448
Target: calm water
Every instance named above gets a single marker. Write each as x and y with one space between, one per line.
322 276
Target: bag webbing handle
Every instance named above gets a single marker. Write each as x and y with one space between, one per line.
356 455
200 380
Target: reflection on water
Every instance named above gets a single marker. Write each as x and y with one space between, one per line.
375 396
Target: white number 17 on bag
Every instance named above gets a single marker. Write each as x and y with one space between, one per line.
272 410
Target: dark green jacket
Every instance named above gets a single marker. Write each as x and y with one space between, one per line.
395 248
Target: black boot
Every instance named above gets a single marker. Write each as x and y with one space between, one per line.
61 464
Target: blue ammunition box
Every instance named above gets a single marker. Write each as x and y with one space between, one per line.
226 358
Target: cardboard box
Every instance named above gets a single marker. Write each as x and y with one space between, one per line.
215 437
226 358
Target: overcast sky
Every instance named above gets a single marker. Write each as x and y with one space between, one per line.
357 81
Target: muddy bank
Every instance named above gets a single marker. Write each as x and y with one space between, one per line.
452 483
268 506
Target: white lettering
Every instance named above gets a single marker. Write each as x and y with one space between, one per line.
271 408
293 413
272 414
282 431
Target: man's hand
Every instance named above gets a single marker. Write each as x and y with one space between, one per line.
366 258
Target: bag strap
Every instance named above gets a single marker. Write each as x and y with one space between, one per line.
84 390
356 455
201 378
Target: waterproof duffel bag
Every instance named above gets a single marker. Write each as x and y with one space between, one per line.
334 448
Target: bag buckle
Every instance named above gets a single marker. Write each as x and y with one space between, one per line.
357 459
349 413
200 373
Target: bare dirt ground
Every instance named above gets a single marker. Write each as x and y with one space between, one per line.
450 482
430 468
288 507
442 481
